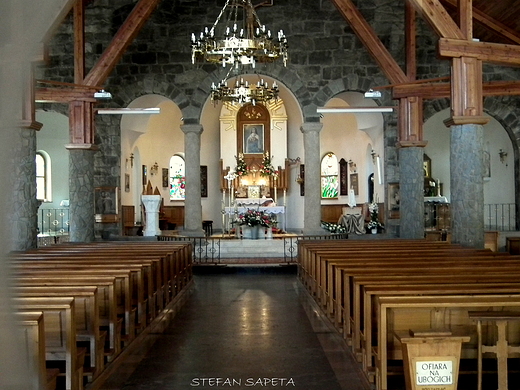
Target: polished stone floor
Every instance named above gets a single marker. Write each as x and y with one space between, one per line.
241 328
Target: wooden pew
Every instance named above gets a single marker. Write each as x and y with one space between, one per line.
32 336
407 268
123 283
60 334
401 313
87 319
364 333
176 260
140 275
399 266
108 291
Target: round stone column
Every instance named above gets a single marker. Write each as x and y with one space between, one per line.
81 192
467 185
411 188
24 217
192 203
312 201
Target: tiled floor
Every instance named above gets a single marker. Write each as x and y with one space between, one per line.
252 327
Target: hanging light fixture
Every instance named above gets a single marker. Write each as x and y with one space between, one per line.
242 92
238 38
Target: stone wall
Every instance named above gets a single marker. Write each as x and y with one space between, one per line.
325 58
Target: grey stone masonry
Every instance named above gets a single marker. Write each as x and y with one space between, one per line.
411 192
24 217
81 188
312 205
192 204
467 185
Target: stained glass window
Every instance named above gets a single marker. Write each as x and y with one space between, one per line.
177 178
329 176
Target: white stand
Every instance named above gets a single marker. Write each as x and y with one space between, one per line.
151 203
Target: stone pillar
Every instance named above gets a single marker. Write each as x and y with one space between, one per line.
312 200
467 185
192 204
152 204
24 208
81 191
411 192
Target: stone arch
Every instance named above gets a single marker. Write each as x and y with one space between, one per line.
147 85
288 78
505 113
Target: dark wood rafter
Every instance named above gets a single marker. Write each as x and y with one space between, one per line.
410 108
123 38
63 95
411 40
465 14
79 42
79 95
438 18
490 23
497 53
442 90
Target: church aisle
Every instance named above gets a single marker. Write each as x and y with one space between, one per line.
242 328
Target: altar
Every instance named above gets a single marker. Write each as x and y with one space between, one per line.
266 205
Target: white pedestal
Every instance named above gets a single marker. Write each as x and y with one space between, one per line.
152 204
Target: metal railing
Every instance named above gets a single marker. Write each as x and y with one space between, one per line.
53 222
500 216
206 250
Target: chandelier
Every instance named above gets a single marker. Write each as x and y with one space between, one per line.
238 38
242 92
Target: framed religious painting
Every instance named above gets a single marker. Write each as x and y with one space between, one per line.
204 181
106 204
254 138
393 200
165 177
354 185
144 175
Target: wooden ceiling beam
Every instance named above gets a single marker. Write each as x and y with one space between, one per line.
370 40
79 41
442 90
63 95
491 23
411 41
488 52
123 38
437 16
465 8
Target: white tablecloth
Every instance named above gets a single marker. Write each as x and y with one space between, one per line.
272 209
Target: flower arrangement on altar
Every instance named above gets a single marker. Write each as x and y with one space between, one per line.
241 169
256 218
267 169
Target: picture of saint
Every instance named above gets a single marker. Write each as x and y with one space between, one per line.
253 139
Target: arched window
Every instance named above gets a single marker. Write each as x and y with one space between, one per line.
43 177
177 178
329 176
